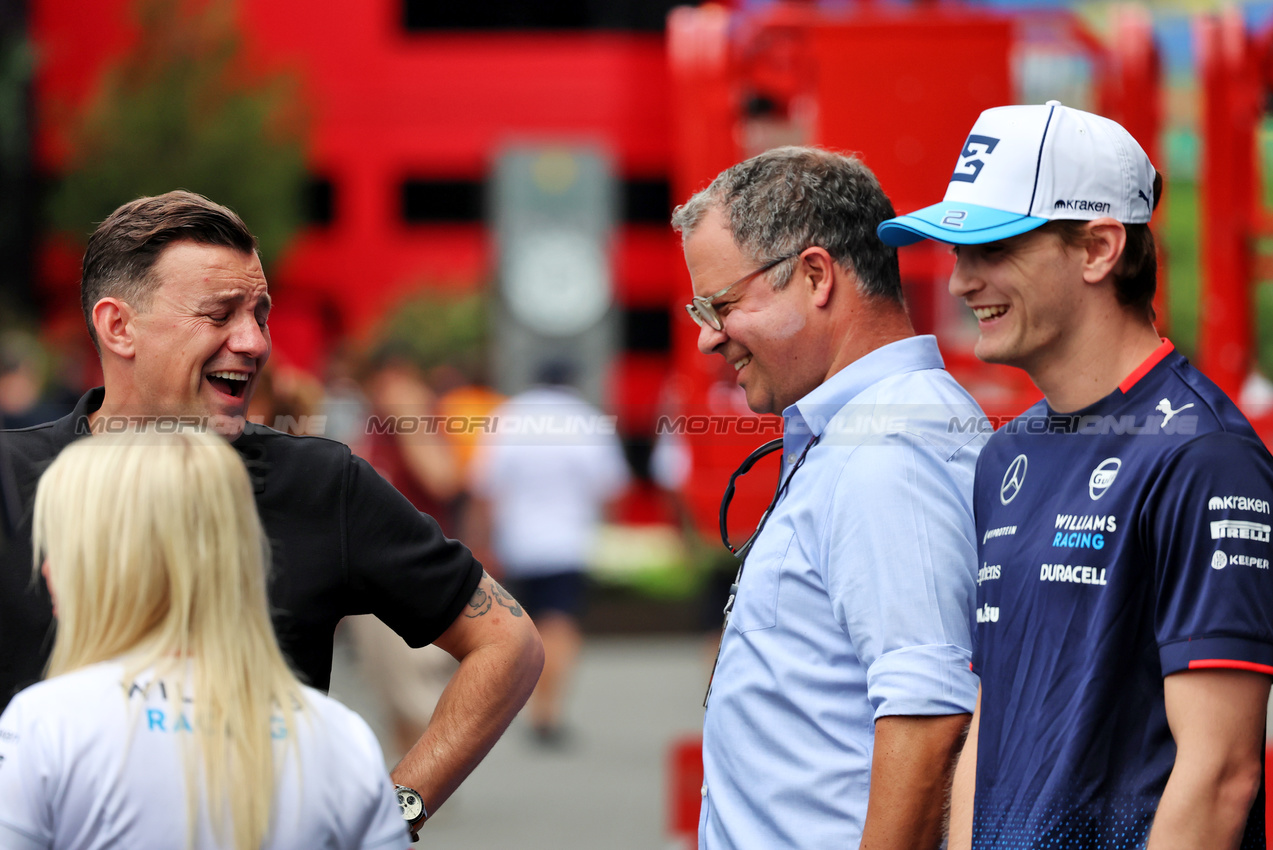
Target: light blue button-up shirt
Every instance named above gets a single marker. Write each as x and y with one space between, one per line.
855 603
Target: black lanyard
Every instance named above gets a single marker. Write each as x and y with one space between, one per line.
742 551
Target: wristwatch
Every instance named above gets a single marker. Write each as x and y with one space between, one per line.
412 806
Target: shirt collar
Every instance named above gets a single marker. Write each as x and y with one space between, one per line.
1164 348
76 425
814 411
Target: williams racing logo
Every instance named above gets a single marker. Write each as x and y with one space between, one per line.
1076 531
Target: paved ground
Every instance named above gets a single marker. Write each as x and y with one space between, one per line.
633 697
606 791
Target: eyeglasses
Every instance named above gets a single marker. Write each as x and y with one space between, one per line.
702 310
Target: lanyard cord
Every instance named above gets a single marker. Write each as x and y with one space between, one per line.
742 551
743 468
769 447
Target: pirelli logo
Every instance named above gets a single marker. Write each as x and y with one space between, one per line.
1236 529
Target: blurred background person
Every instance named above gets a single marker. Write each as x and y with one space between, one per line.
29 391
542 480
468 404
290 400
170 717
344 405
413 454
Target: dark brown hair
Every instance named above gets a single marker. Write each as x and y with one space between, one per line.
1136 274
121 255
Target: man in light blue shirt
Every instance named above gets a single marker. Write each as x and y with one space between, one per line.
843 690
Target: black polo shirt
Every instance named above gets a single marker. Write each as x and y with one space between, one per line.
342 540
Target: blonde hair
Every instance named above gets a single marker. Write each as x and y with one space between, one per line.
156 557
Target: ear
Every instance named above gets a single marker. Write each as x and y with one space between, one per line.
1104 248
817 272
113 321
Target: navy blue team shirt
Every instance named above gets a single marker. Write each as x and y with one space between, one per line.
1118 545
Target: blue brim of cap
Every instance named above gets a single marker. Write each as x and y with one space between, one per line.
956 223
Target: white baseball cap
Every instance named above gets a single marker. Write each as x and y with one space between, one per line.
1023 166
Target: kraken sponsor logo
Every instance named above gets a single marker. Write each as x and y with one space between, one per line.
1237 529
1237 503
1001 531
1081 205
1076 575
987 614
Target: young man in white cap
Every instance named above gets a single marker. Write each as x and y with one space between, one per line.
1124 629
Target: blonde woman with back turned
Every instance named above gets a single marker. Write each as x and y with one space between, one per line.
169 717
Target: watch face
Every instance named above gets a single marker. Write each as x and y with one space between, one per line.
557 282
410 803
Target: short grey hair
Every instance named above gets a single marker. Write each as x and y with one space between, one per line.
791 198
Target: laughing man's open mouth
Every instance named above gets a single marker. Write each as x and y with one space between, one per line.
230 383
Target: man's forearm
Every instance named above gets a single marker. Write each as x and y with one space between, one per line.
1217 718
495 677
963 787
910 781
1201 811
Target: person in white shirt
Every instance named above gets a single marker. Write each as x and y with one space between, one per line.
541 481
169 717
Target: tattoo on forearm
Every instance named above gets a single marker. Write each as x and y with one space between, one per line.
503 597
479 604
484 600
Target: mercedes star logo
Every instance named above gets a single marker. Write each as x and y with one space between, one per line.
1013 479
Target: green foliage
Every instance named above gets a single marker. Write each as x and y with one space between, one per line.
16 184
181 111
1180 243
439 328
15 74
